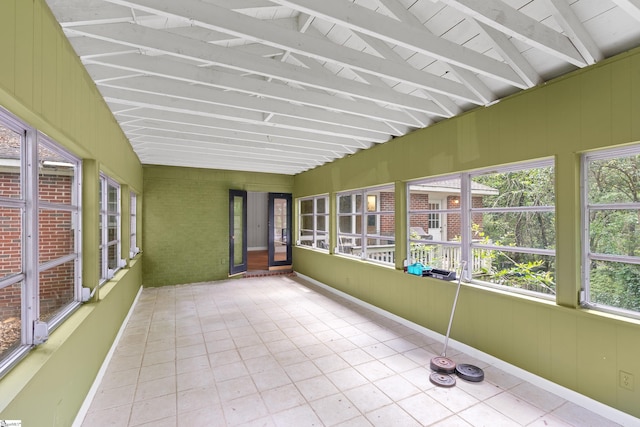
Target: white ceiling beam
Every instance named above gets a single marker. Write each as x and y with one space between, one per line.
464 75
189 143
421 118
182 149
235 23
209 95
89 47
183 47
238 128
261 167
359 18
75 12
572 26
162 66
166 103
194 158
383 49
514 23
174 130
632 7
474 84
509 53
101 74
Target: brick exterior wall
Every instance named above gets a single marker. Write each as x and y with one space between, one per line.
387 222
419 201
56 239
453 220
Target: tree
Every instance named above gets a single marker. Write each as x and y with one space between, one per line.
522 228
614 181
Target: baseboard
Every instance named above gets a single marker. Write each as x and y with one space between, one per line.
600 408
82 413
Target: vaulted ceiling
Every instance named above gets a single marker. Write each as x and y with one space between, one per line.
284 86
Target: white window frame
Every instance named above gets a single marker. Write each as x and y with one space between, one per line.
319 238
587 209
466 244
364 251
133 211
544 163
108 273
33 330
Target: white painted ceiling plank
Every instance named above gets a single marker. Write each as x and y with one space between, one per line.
632 7
294 146
213 164
474 84
193 144
186 149
464 75
240 127
213 17
251 141
510 53
572 26
287 93
178 46
383 49
510 21
390 30
164 67
165 103
209 95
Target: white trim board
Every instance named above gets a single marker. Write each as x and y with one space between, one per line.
600 408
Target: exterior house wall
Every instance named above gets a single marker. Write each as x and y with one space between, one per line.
56 240
419 201
387 222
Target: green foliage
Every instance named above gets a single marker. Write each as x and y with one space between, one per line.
616 285
526 228
615 231
530 275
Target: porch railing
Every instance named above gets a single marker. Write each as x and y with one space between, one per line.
437 256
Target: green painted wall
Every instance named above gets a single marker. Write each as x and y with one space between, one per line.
45 85
186 220
576 348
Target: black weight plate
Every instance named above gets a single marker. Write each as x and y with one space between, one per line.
442 380
470 373
443 365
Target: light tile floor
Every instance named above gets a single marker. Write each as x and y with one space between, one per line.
277 351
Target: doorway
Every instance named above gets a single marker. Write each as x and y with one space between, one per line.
260 232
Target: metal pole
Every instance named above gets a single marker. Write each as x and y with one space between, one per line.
453 309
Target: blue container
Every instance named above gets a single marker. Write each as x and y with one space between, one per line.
417 269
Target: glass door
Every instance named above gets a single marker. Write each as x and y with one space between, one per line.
279 229
237 231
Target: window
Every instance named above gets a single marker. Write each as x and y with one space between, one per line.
39 237
611 224
133 244
501 222
313 221
110 243
366 224
512 230
434 222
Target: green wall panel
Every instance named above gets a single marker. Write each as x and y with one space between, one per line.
56 377
593 108
186 220
7 46
43 83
